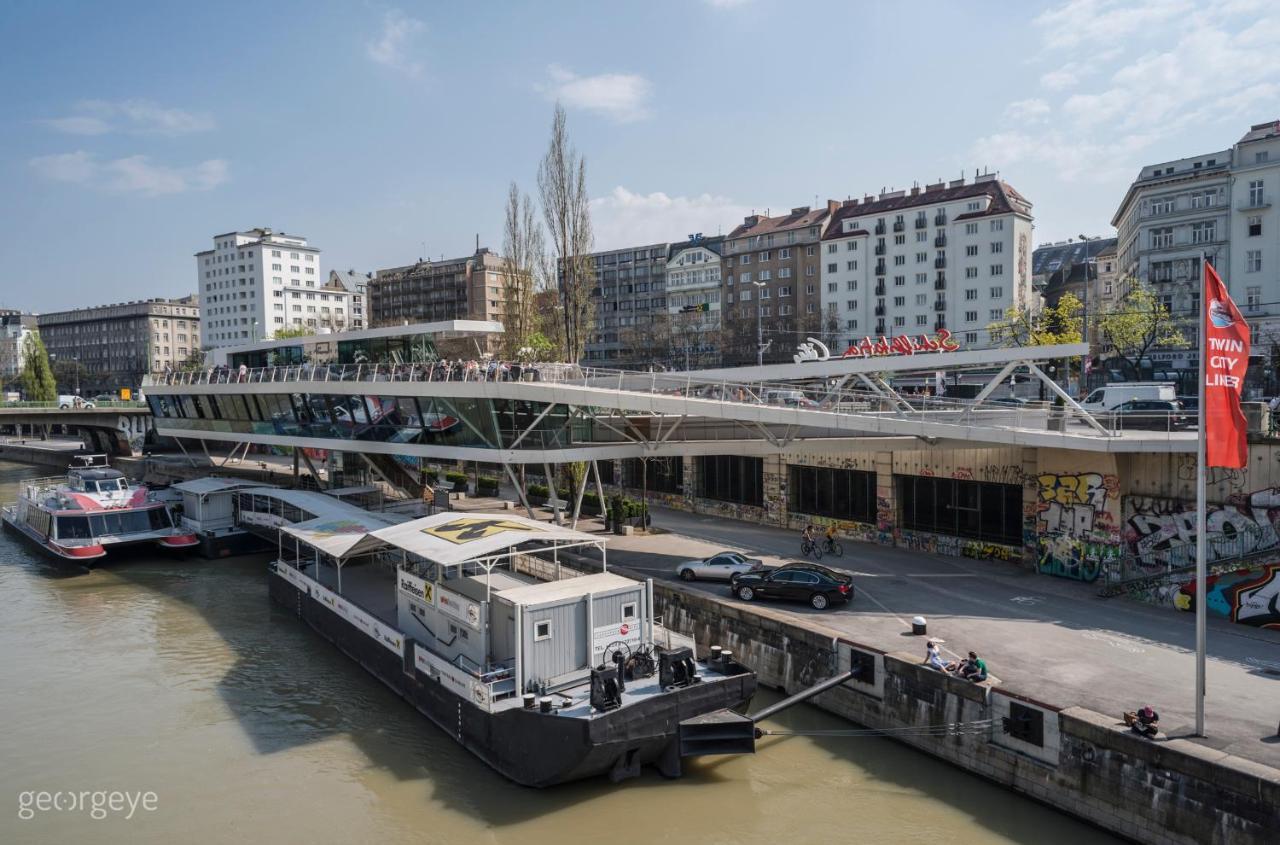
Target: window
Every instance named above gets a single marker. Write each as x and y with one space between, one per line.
831 268
1255 193
831 248
921 299
1255 226
833 493
997 269
971 228
851 246
785 290
1162 238
899 321
628 611
731 478
832 287
899 281
922 320
994 314
899 260
899 301
922 256
1204 232
1260 157
1253 261
1253 297
851 304
971 249
851 265
997 225
1162 205
997 292
972 509
851 285
542 630
764 256
746 259
784 253
971 293
811 250
997 246
971 316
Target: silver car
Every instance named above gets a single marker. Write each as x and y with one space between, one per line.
721 566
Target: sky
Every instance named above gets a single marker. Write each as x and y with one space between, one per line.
132 133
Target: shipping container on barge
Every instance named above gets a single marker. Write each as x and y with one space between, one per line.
546 674
78 517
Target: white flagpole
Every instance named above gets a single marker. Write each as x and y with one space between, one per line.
1201 504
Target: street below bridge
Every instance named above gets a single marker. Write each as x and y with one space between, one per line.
1047 638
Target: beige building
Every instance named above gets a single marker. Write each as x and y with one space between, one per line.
771 268
115 345
469 288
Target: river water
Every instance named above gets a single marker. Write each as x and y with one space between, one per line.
178 677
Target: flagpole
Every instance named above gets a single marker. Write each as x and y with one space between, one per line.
1201 506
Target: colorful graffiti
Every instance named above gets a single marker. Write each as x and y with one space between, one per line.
945 544
1161 533
1076 532
1247 596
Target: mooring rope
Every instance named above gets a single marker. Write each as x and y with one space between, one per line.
949 729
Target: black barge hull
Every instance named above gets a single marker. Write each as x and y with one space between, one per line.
529 747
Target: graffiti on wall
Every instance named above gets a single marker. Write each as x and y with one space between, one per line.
1076 532
1161 533
1247 596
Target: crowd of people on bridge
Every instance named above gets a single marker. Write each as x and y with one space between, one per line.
443 370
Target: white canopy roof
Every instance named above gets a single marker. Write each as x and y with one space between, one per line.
339 536
209 484
551 591
452 537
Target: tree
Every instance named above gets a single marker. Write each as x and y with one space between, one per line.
523 252
38 384
193 363
1053 324
68 373
297 330
1138 322
562 186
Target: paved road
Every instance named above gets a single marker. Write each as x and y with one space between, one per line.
1047 638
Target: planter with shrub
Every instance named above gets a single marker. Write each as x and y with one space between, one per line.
487 486
458 480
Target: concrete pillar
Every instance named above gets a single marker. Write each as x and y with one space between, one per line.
886 498
1030 506
775 491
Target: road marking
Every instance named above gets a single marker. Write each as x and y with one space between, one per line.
1114 642
1027 600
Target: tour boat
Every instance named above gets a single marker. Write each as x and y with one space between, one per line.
77 517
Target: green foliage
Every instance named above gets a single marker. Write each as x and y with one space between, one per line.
38 384
456 477
194 362
540 491
430 473
293 331
1061 323
487 484
536 347
1137 323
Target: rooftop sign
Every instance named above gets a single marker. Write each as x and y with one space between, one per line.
815 350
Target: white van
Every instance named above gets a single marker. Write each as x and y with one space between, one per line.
1110 396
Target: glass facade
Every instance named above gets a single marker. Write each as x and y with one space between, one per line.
731 478
665 475
483 423
846 494
972 509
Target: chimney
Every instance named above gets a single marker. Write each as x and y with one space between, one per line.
800 209
751 220
833 206
936 186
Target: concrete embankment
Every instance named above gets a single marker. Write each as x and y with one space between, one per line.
39 453
1079 761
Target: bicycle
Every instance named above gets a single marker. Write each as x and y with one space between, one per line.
832 547
811 548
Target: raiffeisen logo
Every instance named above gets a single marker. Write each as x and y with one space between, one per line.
1220 314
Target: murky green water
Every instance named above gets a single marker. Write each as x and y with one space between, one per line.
177 676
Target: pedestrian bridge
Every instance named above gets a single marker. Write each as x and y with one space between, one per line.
558 413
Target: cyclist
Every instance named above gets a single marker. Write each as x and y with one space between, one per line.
831 533
806 538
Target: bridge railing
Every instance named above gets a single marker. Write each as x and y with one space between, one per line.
848 396
89 405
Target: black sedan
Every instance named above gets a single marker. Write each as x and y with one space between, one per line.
817 585
1157 414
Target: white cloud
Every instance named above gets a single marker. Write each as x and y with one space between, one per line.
1029 110
623 217
622 97
393 46
131 174
1062 78
1096 22
136 117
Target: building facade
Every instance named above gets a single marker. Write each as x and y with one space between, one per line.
772 274
629 290
15 328
255 283
358 284
1253 274
469 288
693 302
115 345
952 256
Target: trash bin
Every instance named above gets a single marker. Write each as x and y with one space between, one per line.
918 626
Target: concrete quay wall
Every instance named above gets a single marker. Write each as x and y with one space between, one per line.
1078 761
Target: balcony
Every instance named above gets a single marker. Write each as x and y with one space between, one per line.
880 311
940 241
880 329
880 249
939 263
940 284
880 269
940 305
880 229
899 226
940 219
939 324
1254 204
922 222
880 289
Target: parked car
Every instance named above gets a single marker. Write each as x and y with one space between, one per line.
70 401
1015 401
818 586
1190 404
722 566
105 397
1114 395
1155 414
789 398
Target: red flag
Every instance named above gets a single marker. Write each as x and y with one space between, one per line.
1226 347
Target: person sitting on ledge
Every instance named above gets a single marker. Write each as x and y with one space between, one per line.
933 658
974 669
1146 722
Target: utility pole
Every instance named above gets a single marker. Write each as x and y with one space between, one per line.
759 329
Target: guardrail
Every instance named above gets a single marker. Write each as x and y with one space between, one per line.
88 405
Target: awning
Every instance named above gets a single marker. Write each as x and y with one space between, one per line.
205 486
339 536
449 538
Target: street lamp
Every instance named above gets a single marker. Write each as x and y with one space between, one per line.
759 329
1085 318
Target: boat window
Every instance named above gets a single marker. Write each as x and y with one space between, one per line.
629 611
73 528
542 630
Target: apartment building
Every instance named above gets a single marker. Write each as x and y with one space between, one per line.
951 255
472 287
1219 204
694 302
115 345
358 284
15 328
629 288
772 274
255 283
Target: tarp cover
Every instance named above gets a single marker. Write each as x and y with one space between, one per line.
341 535
453 537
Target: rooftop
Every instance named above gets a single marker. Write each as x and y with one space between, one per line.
1004 200
799 218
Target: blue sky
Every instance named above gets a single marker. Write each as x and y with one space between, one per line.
132 132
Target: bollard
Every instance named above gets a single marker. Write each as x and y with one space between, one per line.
918 626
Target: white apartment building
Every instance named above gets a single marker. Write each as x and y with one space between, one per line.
950 256
693 301
1219 204
255 283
